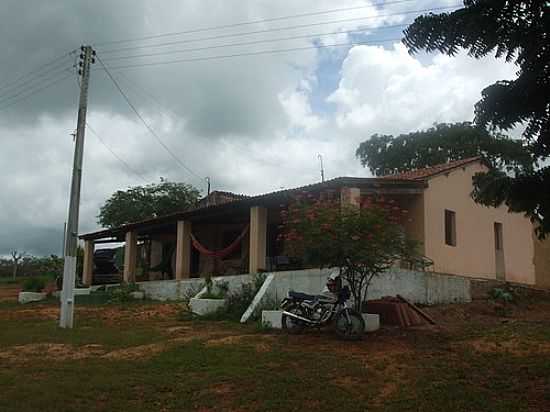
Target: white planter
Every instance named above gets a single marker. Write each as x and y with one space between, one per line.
138 294
26 297
205 306
272 318
372 322
82 291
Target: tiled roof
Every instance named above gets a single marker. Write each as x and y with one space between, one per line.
427 172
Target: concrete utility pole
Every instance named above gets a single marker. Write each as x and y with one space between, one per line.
322 168
71 241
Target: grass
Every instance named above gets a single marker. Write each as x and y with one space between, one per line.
173 365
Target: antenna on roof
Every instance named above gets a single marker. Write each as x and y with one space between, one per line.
322 169
207 178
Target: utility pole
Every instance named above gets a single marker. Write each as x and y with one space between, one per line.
322 169
71 241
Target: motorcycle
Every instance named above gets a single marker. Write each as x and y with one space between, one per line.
301 310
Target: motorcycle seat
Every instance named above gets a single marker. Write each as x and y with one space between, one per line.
301 296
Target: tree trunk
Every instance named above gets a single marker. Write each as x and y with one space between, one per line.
15 267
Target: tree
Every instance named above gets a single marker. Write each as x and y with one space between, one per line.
518 30
16 258
386 154
362 242
145 202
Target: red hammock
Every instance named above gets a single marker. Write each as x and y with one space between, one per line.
219 253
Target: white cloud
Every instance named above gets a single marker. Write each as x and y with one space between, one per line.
394 92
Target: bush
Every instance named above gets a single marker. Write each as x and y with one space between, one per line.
237 302
34 285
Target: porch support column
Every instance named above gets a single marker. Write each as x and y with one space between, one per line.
88 264
350 196
130 257
183 250
258 235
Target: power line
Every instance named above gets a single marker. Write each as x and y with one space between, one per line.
257 53
31 85
247 23
132 170
183 165
37 69
305 36
269 30
36 91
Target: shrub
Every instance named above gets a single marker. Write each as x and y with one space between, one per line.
34 285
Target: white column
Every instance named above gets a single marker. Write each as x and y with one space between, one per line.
130 257
88 264
183 250
258 237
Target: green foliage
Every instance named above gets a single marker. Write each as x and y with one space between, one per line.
501 295
145 202
519 31
237 302
445 142
216 290
362 242
34 285
122 294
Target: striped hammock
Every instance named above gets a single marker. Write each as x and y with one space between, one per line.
223 252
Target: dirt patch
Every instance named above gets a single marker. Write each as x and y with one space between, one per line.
54 351
137 352
513 346
9 293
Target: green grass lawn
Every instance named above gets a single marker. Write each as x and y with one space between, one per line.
139 357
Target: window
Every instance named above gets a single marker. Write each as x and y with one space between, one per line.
498 236
450 227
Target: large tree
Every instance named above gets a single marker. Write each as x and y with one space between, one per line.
518 30
144 202
386 154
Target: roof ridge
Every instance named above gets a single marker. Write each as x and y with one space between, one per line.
430 171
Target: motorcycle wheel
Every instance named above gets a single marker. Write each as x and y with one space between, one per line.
293 326
352 329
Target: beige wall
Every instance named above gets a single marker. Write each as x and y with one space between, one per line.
474 253
542 262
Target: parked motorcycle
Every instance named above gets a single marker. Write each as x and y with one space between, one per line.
301 310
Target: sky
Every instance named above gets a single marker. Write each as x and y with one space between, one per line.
251 119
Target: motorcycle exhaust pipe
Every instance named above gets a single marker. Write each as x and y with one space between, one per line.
297 317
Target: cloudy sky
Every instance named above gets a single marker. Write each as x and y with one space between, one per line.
253 122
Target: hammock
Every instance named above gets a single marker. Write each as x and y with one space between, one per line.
219 253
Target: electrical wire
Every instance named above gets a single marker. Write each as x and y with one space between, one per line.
39 69
247 23
37 91
248 43
257 53
155 135
132 170
32 85
275 29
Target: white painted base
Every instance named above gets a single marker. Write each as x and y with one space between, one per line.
372 322
138 294
205 306
272 318
82 291
27 297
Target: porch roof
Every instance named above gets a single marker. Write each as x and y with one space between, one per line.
374 185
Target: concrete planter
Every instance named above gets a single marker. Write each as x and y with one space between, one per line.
272 318
27 297
139 295
82 291
372 322
205 306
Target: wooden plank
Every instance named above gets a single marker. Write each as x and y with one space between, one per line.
417 310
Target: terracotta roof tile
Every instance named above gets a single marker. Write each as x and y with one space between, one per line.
427 172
